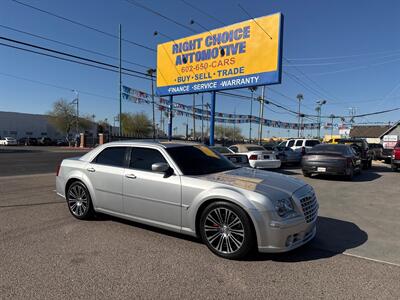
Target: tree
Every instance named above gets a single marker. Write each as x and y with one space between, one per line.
63 116
230 133
136 125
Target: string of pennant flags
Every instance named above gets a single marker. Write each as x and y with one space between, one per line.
184 110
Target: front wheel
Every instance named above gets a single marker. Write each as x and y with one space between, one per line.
226 230
79 201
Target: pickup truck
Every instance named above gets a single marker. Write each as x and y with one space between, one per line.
396 157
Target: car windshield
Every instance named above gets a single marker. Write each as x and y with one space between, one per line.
331 148
199 160
221 149
255 148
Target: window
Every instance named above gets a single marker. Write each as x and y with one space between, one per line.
199 160
234 149
143 158
255 148
112 156
299 143
291 143
311 143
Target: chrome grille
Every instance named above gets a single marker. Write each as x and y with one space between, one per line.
309 205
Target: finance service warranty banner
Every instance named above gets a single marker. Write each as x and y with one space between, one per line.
236 56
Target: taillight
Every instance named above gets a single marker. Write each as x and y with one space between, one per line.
58 169
253 157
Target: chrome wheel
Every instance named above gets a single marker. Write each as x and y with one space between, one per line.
224 230
78 200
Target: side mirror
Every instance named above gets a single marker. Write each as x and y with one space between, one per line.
160 167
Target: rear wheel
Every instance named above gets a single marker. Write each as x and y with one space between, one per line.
79 201
351 174
226 230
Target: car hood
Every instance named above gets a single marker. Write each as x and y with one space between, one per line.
264 182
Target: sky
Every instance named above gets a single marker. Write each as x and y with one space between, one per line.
346 52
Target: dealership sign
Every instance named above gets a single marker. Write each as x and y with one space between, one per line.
236 56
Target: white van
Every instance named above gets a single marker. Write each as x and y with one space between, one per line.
301 145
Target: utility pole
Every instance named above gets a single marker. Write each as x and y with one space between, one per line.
260 126
332 117
318 109
252 90
234 125
299 98
151 73
76 102
202 117
120 80
194 117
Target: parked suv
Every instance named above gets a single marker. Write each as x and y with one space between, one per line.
362 149
396 157
300 145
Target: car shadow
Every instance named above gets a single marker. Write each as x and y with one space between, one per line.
365 176
333 237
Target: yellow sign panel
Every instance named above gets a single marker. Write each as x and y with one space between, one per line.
236 56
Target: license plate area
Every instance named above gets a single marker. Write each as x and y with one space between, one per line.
321 169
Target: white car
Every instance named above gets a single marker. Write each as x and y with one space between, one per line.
259 158
7 141
300 145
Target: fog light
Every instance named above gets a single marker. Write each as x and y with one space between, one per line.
289 241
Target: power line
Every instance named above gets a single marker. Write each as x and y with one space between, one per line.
56 86
70 60
71 55
132 2
72 46
254 20
82 25
344 56
204 12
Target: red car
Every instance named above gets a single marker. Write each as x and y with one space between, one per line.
396 157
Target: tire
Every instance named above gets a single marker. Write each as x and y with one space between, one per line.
79 201
351 175
226 230
306 174
364 165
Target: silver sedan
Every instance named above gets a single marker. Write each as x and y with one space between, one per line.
192 190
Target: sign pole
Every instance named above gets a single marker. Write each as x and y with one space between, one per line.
212 118
171 99
260 126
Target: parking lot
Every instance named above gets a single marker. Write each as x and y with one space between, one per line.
46 253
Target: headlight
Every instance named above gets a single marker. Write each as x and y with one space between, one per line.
284 207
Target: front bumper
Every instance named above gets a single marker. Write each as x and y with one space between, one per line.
396 162
284 237
329 169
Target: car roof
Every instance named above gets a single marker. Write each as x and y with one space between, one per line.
164 144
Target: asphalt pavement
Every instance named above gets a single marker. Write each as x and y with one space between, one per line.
21 160
45 253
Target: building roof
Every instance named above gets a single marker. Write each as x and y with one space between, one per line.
390 129
368 131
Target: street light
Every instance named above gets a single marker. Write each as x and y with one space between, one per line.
318 109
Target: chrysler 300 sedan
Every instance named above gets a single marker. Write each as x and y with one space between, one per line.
191 189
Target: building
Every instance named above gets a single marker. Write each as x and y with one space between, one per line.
391 136
372 133
19 125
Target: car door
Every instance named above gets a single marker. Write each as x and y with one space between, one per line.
106 173
152 196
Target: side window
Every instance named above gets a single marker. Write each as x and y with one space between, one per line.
234 149
111 156
291 143
143 158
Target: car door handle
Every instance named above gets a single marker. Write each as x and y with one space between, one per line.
91 170
130 176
